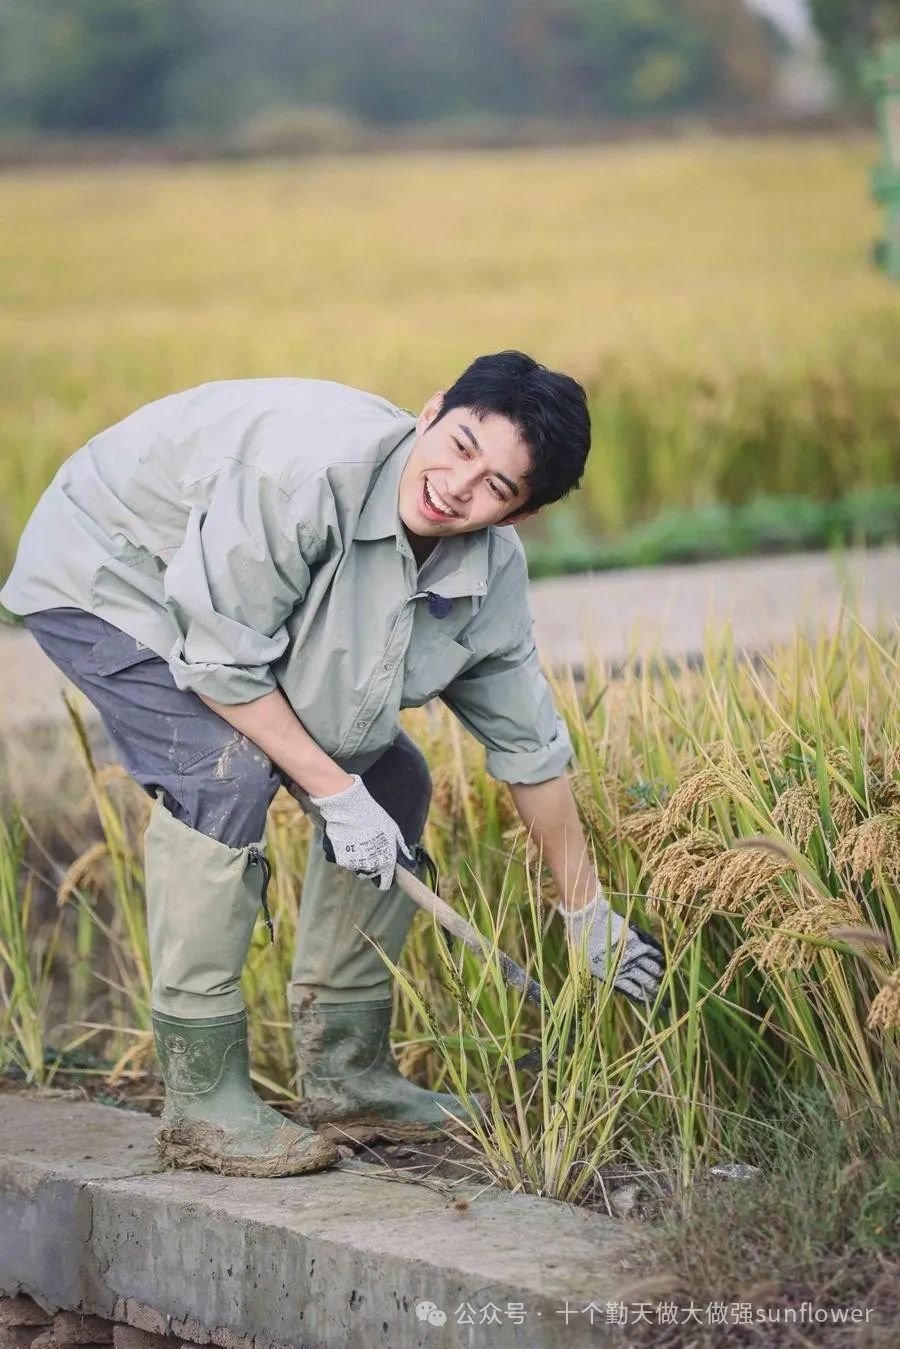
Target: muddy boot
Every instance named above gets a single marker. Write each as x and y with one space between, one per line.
203 899
347 1078
213 1120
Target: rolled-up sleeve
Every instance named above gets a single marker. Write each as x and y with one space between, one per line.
504 699
241 569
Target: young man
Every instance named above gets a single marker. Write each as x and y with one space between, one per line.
249 580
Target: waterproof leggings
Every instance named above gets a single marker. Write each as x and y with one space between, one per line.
213 788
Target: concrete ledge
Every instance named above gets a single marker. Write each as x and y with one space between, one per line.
88 1222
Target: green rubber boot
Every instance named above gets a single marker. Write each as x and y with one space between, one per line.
212 1119
349 1084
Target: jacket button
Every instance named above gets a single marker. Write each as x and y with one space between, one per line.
362 723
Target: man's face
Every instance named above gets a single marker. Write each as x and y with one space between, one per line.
463 473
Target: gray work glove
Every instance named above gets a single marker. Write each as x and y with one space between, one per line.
362 836
637 969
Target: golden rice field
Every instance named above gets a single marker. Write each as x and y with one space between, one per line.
715 296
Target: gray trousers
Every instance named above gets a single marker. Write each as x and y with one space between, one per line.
216 781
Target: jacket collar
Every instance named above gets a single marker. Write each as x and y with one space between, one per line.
458 567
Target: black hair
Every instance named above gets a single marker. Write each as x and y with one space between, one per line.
548 409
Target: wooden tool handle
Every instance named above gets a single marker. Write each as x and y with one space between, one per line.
466 932
450 920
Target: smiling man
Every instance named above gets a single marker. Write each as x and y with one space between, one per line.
249 580
471 470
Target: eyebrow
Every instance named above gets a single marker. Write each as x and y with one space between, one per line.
510 482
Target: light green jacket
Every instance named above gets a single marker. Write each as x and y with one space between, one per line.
248 532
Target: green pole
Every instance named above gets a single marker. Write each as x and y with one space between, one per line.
883 79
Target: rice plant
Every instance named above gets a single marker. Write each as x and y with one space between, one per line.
26 958
748 810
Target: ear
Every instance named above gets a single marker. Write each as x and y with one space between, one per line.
429 412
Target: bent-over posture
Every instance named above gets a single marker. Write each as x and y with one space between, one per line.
249 580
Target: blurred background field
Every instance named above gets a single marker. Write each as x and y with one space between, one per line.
715 297
375 192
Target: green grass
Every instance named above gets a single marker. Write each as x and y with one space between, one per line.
817 1223
761 526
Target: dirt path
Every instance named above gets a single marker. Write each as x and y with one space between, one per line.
661 610
667 610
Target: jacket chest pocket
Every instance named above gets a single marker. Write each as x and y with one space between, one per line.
431 666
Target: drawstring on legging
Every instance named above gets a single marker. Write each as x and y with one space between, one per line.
424 859
421 857
258 858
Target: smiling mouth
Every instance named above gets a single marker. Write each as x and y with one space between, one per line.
433 504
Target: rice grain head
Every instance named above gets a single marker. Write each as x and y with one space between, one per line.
450 793
507 815
84 869
843 808
777 745
443 794
717 750
743 955
681 865
771 906
644 830
887 797
102 779
884 1011
841 803
697 790
840 760
797 813
592 815
873 843
785 949
735 877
